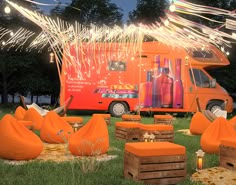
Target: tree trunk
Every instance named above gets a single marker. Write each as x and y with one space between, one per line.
5 92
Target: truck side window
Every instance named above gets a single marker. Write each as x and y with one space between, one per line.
201 79
116 65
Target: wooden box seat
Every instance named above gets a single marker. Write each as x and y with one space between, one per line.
129 117
161 132
134 131
128 131
228 153
75 121
107 118
163 119
155 162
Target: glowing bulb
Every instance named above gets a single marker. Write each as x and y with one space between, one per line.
7 10
212 37
172 7
222 49
234 35
3 43
51 57
11 33
166 22
227 53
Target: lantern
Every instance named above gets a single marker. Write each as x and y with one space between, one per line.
199 156
152 137
7 10
51 57
75 127
146 137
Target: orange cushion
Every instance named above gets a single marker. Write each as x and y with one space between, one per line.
131 117
92 139
55 129
26 123
106 115
155 127
20 113
233 121
154 148
198 124
72 119
32 115
231 142
16 141
127 124
219 129
167 116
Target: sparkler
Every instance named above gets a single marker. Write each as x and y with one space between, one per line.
80 46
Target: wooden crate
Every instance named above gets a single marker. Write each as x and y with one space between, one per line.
163 119
228 157
107 118
128 117
160 135
128 134
156 169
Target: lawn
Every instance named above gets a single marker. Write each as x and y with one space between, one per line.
108 173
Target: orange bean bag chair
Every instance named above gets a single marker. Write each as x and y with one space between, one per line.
233 121
16 141
27 124
219 129
92 139
54 129
32 115
199 123
19 113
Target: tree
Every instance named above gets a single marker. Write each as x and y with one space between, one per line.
21 71
96 12
148 11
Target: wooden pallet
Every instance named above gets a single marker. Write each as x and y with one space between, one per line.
128 134
156 169
163 119
135 118
160 135
228 157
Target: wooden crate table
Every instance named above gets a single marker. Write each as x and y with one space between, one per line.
155 162
130 117
163 119
161 132
228 153
128 131
107 118
75 121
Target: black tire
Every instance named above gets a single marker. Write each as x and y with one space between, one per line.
117 109
215 105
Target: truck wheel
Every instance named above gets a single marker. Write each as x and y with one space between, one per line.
117 109
215 105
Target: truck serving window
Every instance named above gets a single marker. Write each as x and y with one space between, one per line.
116 65
201 79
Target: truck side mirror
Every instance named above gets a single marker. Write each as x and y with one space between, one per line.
213 83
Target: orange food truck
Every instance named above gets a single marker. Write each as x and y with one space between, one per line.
156 78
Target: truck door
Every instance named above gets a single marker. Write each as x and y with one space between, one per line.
203 87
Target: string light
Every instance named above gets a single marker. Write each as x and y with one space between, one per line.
51 57
79 42
7 10
172 7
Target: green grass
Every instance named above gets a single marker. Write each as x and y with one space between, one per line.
109 173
